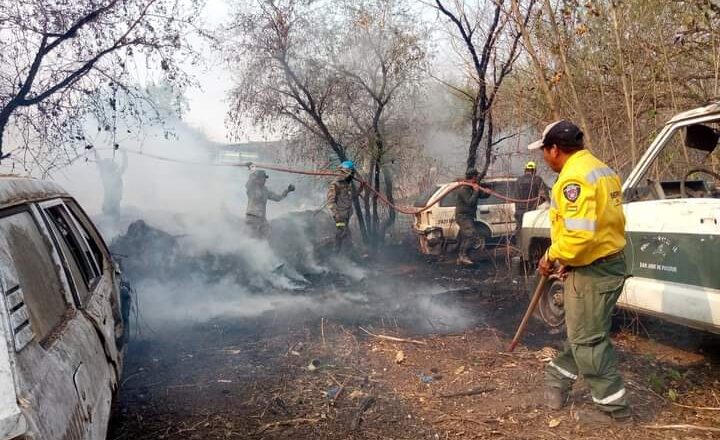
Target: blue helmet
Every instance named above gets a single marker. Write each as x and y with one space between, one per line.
347 165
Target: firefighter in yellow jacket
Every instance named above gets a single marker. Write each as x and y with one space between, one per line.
588 237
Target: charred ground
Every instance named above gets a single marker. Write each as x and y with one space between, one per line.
306 363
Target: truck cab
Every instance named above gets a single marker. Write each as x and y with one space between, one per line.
62 334
671 201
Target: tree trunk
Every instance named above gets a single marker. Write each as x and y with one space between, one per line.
627 94
388 177
359 214
537 65
375 213
562 59
488 146
4 120
478 123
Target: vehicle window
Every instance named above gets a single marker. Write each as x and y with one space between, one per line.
89 233
422 201
74 242
37 279
451 199
663 178
73 273
505 188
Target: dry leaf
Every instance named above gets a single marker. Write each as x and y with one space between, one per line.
399 357
460 370
554 423
357 394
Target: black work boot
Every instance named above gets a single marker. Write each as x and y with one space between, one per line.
599 417
555 398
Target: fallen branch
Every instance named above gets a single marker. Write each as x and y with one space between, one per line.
322 330
340 390
463 419
393 338
364 406
694 427
704 408
470 392
291 422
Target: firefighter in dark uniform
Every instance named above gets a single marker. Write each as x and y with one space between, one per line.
257 196
339 201
588 237
465 214
532 189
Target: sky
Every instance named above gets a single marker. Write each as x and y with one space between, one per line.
208 105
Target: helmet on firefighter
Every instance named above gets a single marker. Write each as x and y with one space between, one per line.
531 165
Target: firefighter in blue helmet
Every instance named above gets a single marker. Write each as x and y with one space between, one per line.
339 201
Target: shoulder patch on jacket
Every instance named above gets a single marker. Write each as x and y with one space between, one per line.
571 191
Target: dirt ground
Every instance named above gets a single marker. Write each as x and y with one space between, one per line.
328 373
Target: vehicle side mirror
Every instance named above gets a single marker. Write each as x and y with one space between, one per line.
701 137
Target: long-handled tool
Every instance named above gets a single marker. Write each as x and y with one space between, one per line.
531 308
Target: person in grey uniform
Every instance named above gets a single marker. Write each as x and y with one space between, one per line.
257 196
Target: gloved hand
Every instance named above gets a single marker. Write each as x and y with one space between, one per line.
291 188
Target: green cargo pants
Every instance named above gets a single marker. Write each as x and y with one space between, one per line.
590 296
468 234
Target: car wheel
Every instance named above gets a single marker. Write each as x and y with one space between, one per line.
551 308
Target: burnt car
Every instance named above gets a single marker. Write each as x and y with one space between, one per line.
62 332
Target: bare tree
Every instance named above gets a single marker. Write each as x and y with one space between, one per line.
492 46
61 62
334 74
284 78
621 68
382 55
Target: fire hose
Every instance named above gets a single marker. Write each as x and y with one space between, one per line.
329 173
382 197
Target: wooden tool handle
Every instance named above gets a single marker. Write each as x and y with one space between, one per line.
531 308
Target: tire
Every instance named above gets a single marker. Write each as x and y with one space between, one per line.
550 308
484 235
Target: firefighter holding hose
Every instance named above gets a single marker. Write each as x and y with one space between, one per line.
257 196
588 237
339 201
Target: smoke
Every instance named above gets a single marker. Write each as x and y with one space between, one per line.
446 136
378 302
183 244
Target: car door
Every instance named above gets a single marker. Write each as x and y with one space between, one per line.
673 258
673 239
85 266
44 329
496 212
444 214
105 306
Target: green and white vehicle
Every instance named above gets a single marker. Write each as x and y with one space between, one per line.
672 211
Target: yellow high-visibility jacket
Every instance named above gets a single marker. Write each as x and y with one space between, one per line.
586 212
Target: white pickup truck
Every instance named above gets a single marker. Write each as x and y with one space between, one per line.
672 211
